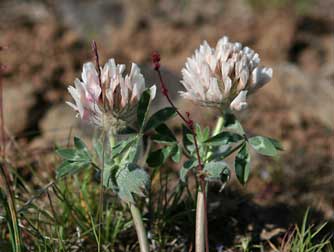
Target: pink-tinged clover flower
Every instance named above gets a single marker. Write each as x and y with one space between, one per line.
112 102
223 76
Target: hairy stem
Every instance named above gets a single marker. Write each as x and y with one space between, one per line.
201 207
190 124
200 217
135 212
140 229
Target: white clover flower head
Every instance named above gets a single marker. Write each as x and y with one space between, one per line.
223 76
114 100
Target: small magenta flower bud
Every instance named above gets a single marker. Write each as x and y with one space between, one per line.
156 60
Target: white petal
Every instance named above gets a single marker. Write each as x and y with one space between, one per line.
136 92
187 79
74 92
226 68
114 75
137 82
244 75
134 70
72 105
222 41
213 93
239 102
153 91
111 67
237 46
226 52
87 70
105 73
91 80
227 85
121 68
78 101
124 93
260 76
188 96
255 61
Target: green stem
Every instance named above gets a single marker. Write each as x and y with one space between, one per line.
200 208
219 125
139 225
218 128
135 212
100 209
111 140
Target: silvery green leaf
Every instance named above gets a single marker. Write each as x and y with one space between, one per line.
72 155
218 152
165 135
185 141
143 107
165 130
187 166
205 134
176 153
160 117
190 138
80 151
79 144
201 134
276 143
134 150
109 175
263 145
126 131
223 138
158 157
69 168
122 146
125 195
98 147
242 164
231 122
162 139
215 170
131 179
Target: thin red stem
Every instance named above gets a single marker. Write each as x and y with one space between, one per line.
190 125
98 68
164 91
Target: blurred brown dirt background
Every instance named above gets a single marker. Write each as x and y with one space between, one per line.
48 41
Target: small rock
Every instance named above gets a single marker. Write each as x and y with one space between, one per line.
17 102
309 94
59 125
